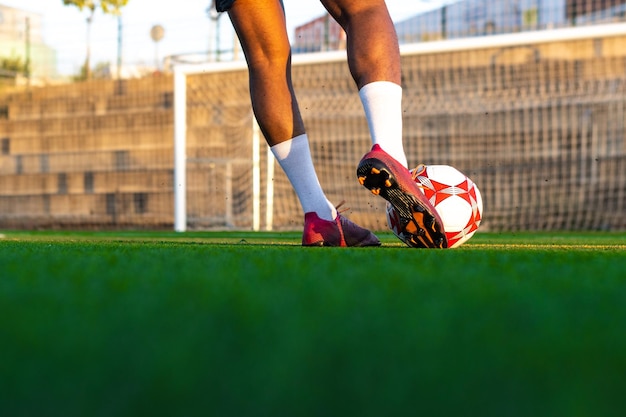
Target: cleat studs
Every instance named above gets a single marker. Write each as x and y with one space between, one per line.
411 228
375 171
388 183
375 191
362 180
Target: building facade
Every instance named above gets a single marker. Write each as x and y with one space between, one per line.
21 38
320 34
487 17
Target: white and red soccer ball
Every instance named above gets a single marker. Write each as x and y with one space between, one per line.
455 197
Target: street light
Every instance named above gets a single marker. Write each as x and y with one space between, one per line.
214 15
157 33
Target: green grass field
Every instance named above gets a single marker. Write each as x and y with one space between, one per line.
252 324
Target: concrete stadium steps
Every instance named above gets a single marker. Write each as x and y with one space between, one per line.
93 210
92 97
105 139
539 127
86 124
88 105
92 153
87 183
88 161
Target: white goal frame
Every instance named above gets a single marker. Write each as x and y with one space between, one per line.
181 71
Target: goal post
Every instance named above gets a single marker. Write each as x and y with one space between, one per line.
536 119
180 152
181 73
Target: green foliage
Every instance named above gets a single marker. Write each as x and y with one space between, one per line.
14 64
113 7
81 4
99 71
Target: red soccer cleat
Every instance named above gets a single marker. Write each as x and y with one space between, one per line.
420 224
340 232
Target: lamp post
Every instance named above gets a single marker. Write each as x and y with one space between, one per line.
27 65
157 33
214 15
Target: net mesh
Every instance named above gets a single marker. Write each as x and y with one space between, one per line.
538 127
84 155
219 151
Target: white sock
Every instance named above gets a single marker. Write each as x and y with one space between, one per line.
294 157
382 102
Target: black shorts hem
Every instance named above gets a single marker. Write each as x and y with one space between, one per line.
223 5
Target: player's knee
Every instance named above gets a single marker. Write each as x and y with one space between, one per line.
269 59
351 12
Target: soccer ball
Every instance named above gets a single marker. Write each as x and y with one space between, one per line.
455 197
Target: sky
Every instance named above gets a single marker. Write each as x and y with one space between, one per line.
188 28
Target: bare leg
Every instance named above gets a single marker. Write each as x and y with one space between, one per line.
260 25
373 53
374 61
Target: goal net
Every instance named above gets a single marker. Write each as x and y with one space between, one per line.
536 119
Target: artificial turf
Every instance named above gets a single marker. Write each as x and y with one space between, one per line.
252 324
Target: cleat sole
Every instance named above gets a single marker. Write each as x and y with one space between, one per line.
421 229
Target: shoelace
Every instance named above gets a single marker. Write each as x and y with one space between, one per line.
416 171
337 207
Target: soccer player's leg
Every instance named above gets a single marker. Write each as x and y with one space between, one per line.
261 28
374 61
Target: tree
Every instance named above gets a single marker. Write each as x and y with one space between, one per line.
111 7
13 64
114 7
